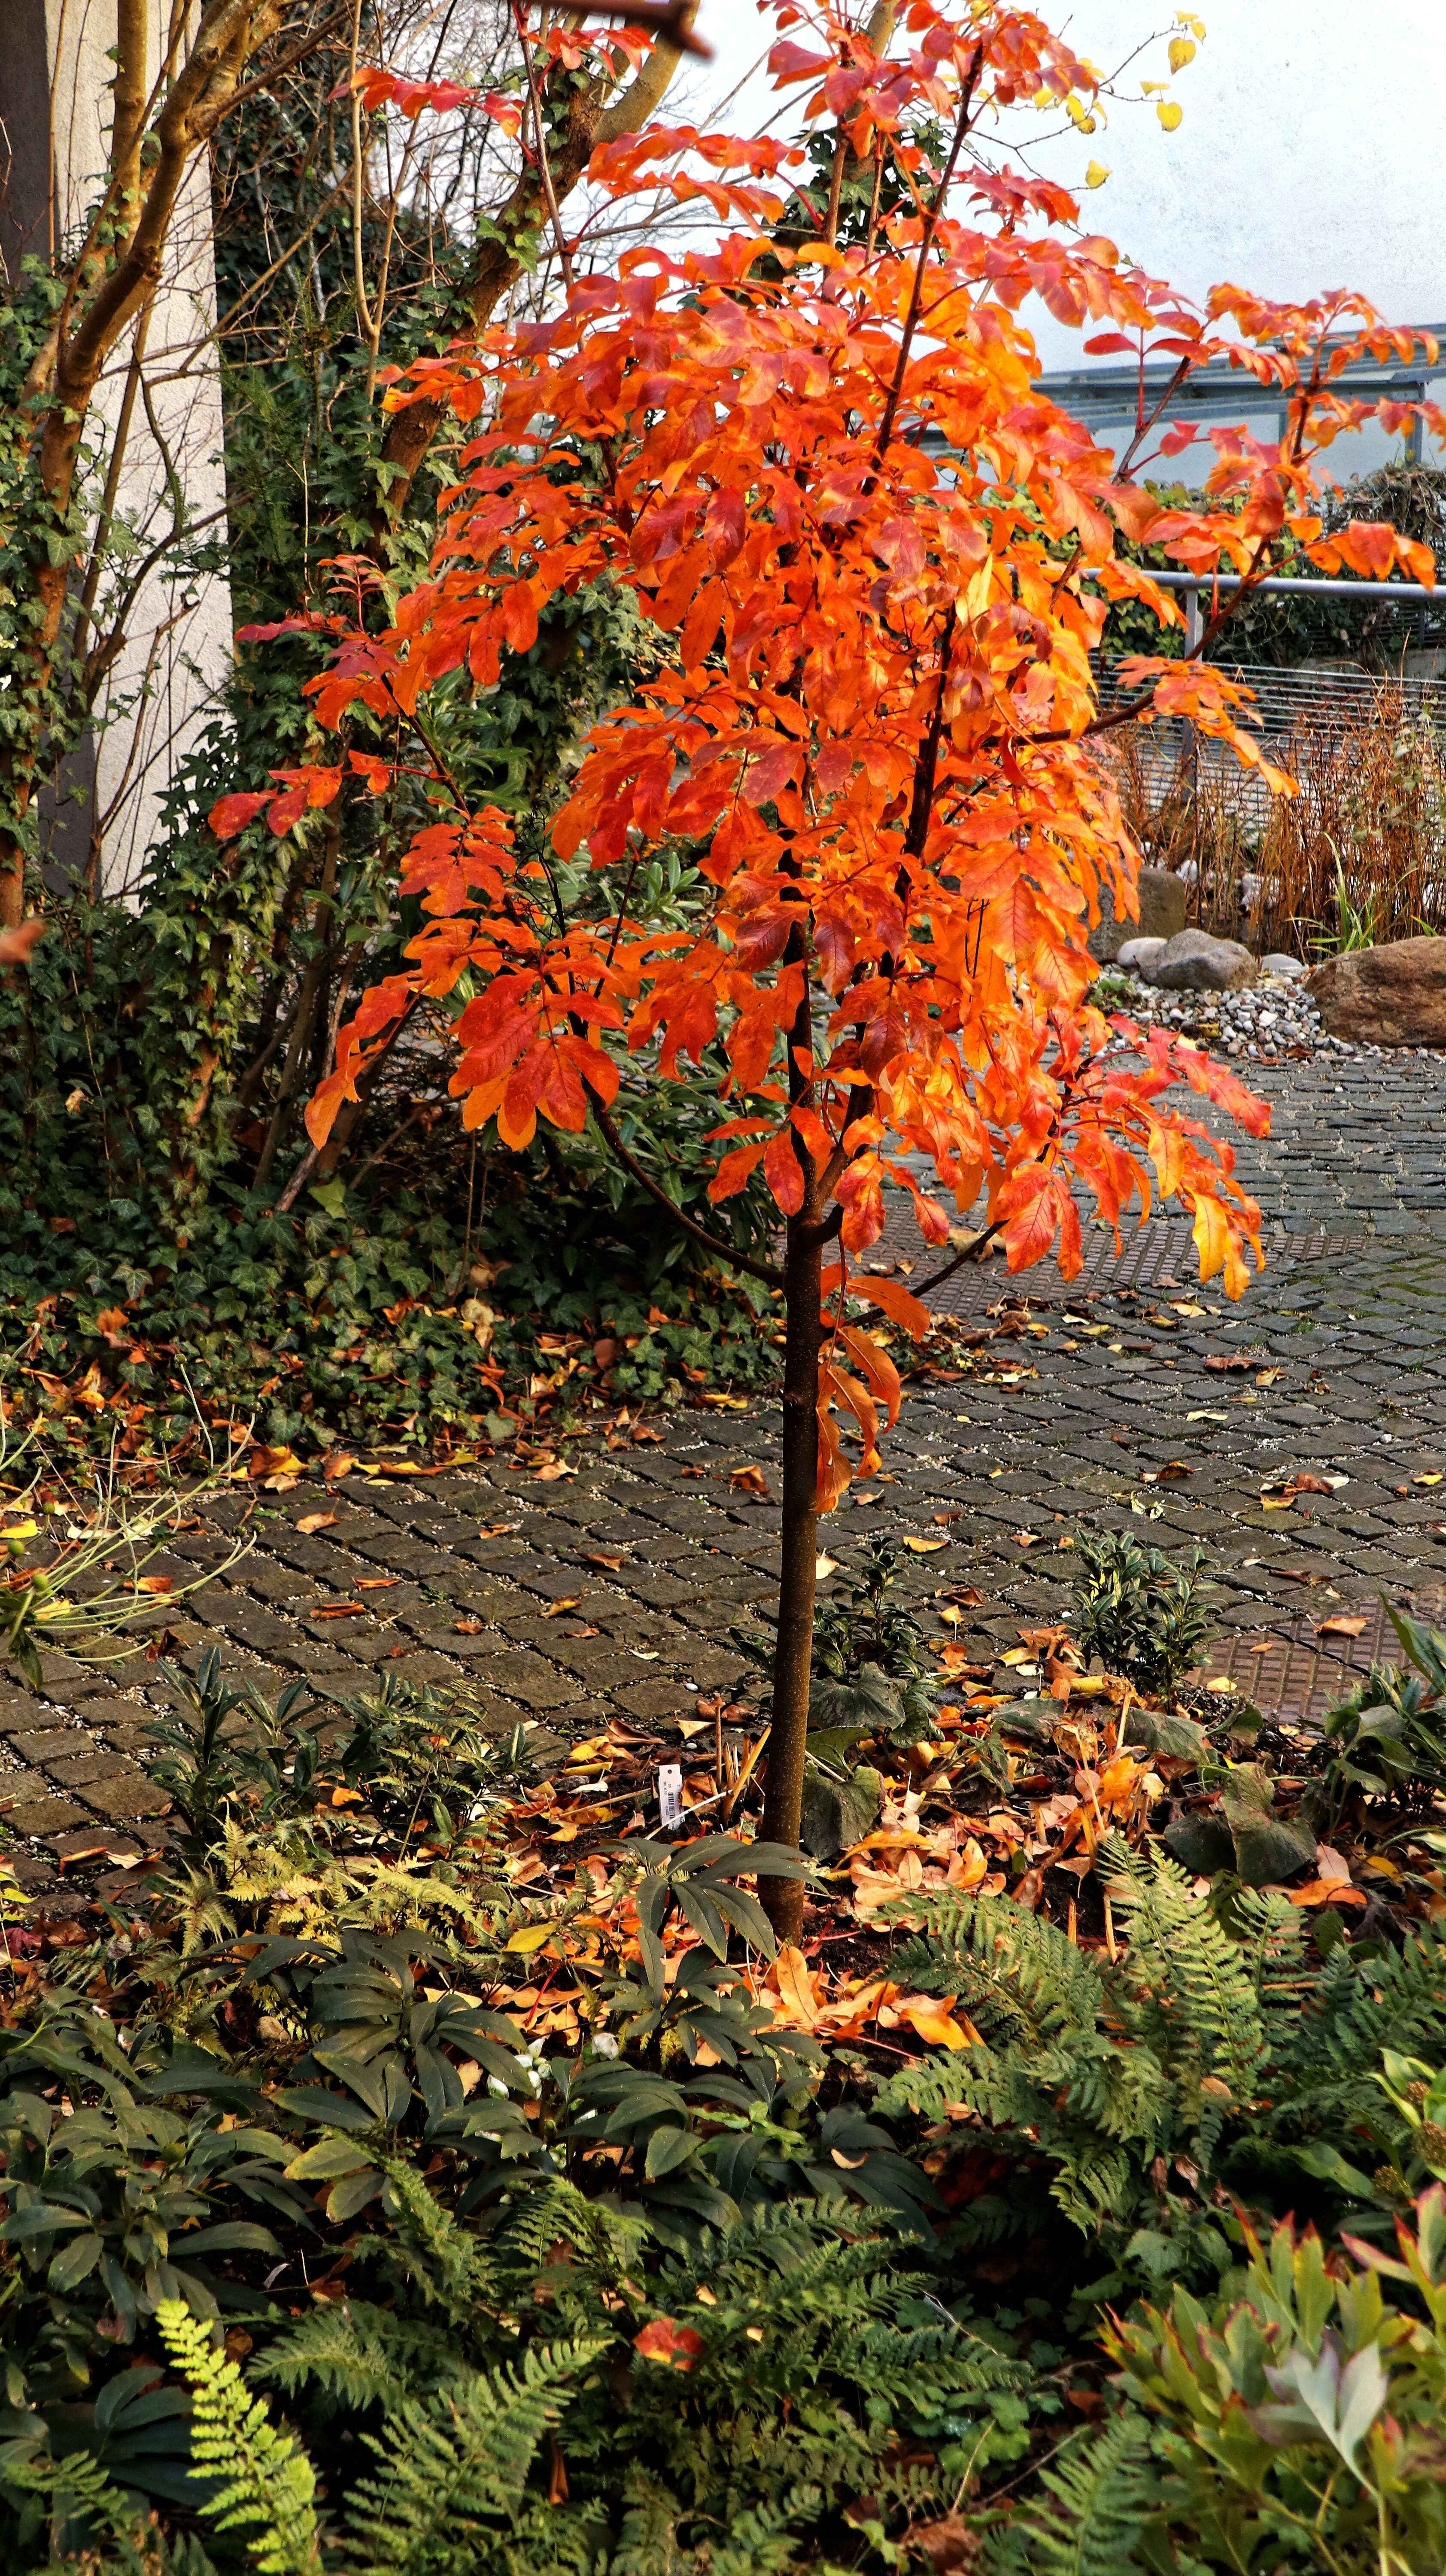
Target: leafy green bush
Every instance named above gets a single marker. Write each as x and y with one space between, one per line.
1386 1736
1144 1617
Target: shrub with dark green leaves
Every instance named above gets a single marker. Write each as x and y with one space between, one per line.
1144 1617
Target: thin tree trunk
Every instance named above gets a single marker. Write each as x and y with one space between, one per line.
782 1898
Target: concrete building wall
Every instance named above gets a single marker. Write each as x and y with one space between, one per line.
162 389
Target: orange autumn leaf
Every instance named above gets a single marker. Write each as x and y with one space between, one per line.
933 2018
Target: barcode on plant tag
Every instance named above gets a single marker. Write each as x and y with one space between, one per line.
670 1795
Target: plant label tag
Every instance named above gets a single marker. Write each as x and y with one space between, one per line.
670 1796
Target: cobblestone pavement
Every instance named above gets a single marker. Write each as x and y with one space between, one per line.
607 1596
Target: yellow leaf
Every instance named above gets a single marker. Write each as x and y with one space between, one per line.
1170 114
310 1522
795 1990
531 1937
1096 174
930 2016
924 1546
21 1529
1182 51
1426 1480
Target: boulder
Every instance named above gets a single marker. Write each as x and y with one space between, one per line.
1288 970
1194 962
1393 996
1139 953
1162 913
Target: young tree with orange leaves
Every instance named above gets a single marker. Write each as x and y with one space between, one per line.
877 563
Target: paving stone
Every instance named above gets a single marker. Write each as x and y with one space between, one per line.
19 1713
649 1700
123 1794
45 1744
527 1679
45 1816
78 1770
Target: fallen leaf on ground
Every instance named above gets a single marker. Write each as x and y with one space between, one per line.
155 1583
1207 1417
1222 1363
751 1480
311 1522
335 1464
1433 1479
791 1981
375 1582
340 1610
601 1556
1341 1626
555 1609
931 2017
468 1627
499 1529
924 1546
1327 1891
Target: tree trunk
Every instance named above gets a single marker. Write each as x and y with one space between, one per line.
782 1898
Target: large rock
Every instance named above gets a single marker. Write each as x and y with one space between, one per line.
1393 996
1193 962
1162 913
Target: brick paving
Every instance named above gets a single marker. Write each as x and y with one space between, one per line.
1058 1414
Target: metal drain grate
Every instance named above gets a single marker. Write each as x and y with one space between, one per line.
1160 1254
1290 1671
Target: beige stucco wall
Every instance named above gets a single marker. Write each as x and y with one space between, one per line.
177 623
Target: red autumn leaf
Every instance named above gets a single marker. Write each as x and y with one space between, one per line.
783 1172
231 814
664 2340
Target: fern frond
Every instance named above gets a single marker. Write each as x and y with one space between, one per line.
359 2354
1097 2494
453 2468
269 2486
606 2240
1186 1987
1015 1973
84 2500
443 2260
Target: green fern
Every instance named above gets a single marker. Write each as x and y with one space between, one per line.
1192 1990
1097 2495
270 2486
454 2468
359 2355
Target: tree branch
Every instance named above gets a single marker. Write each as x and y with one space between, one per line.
763 1270
926 241
974 1250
